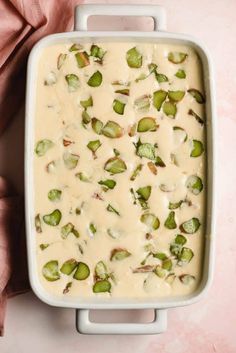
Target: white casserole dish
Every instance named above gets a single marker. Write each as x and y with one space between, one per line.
83 324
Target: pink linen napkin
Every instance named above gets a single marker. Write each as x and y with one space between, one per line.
13 266
22 23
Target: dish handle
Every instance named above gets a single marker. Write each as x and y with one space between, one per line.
83 12
85 326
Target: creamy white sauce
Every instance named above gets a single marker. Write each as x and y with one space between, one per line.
58 115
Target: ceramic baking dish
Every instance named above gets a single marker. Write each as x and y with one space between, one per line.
82 306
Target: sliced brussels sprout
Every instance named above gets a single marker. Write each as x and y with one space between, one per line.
118 106
119 254
72 82
170 278
159 98
67 229
44 246
159 271
108 183
83 177
82 59
170 109
61 60
94 146
176 96
177 244
187 279
112 130
194 184
191 226
115 165
136 172
54 195
68 266
197 117
110 208
95 80
180 239
170 221
160 256
86 118
167 265
97 52
144 192
50 271
148 246
198 149
76 233
112 277
53 219
113 233
146 150
175 205
142 103
180 74
150 220
161 77
197 95
50 167
102 286
124 91
152 68
43 146
141 77
147 124
76 47
159 162
175 249
134 58
51 79
152 167
185 256
180 134
82 271
144 269
37 223
97 126
87 103
92 228
70 160
177 57
101 270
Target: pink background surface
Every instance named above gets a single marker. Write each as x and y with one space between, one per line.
208 326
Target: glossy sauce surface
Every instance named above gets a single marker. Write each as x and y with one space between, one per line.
82 203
